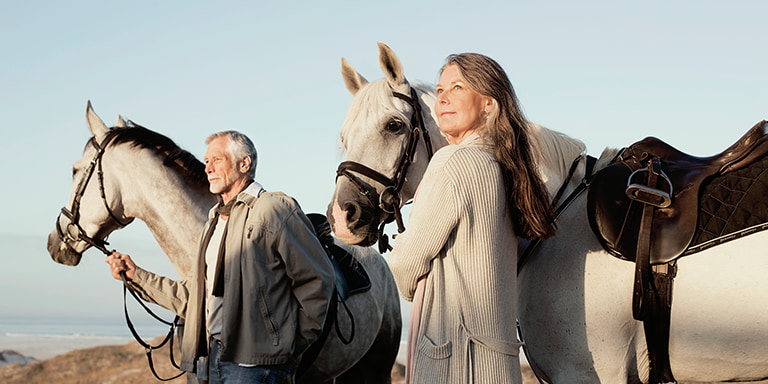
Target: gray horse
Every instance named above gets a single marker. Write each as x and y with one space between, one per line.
142 174
575 301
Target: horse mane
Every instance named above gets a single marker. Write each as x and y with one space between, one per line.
554 152
186 164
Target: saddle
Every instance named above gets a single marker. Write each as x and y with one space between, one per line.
651 172
644 208
351 277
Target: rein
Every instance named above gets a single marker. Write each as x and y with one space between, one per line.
560 209
388 201
75 232
525 256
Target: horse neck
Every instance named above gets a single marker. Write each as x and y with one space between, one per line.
173 210
555 153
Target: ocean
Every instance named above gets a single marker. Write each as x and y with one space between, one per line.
43 338
47 309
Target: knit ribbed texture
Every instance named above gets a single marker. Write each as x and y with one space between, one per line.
460 235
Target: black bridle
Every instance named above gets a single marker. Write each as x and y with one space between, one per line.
388 201
75 233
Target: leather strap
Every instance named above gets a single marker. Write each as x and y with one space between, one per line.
652 294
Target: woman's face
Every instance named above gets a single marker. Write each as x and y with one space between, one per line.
460 110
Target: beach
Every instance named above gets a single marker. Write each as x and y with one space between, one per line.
43 347
44 337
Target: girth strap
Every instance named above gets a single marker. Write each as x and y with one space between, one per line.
652 294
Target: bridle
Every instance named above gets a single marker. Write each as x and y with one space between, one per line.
75 232
387 203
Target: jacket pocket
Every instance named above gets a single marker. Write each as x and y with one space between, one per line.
432 360
266 315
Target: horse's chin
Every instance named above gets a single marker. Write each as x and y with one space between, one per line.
350 238
340 227
61 253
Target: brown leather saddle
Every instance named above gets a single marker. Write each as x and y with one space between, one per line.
644 208
619 192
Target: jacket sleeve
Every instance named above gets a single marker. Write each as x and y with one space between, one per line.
170 294
311 274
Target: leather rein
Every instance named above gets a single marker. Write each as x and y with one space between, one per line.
75 232
526 255
583 185
388 201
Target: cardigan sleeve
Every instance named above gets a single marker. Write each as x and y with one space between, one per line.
432 221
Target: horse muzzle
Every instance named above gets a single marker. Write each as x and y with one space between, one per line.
353 222
61 252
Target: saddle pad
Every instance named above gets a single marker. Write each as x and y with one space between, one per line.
732 202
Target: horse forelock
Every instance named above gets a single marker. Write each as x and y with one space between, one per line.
374 103
174 157
370 106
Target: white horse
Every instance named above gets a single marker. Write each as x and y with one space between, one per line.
575 303
142 174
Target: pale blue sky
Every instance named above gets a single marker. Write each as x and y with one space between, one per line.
610 73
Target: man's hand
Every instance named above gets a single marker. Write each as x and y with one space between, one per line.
121 263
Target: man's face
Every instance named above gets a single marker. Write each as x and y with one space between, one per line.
222 170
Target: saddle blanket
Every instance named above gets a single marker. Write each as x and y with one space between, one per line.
731 203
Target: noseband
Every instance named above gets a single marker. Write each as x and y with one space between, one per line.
74 232
387 203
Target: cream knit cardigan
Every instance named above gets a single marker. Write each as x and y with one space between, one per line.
460 236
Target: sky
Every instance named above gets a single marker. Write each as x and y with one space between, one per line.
609 73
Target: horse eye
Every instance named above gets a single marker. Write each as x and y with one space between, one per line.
394 126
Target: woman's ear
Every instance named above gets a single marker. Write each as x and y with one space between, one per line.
489 105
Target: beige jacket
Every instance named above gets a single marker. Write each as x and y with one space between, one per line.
278 281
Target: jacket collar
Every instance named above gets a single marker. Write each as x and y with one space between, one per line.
248 196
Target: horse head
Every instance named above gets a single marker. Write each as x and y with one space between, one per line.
388 134
86 222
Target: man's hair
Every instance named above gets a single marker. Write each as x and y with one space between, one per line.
240 146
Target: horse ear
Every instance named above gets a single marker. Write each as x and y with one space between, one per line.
390 64
97 127
353 80
120 122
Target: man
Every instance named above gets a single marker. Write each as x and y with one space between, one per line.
259 293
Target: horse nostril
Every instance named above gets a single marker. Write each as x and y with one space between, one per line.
358 215
352 210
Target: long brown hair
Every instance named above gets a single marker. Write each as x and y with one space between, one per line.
508 132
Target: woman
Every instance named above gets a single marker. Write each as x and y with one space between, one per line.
477 195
